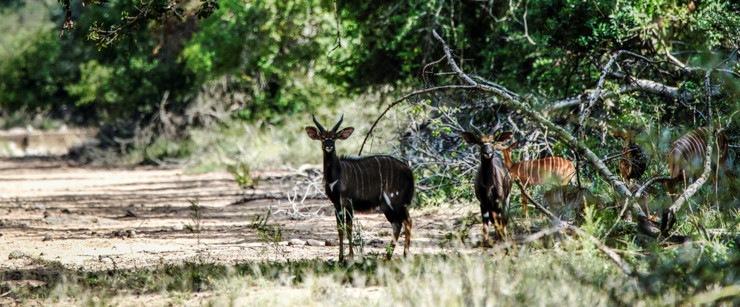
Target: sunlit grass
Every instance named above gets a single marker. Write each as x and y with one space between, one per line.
572 273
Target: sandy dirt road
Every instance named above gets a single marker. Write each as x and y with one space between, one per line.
94 219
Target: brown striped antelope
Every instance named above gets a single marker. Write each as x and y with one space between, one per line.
363 184
492 183
536 172
686 158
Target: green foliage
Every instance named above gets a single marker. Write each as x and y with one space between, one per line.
273 51
241 175
267 232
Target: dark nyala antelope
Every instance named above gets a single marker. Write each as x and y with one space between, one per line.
492 183
363 184
686 158
633 162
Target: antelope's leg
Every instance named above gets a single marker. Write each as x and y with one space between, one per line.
498 220
396 233
524 201
505 231
340 230
407 223
494 221
498 224
348 219
486 218
646 206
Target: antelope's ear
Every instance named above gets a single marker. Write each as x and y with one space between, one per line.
345 133
504 137
313 133
471 138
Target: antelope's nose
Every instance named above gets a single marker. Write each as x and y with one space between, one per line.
329 148
486 152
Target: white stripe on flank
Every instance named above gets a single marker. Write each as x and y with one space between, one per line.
331 185
387 201
380 173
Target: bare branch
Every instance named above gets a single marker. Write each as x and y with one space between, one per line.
604 73
561 225
424 71
618 219
526 31
648 183
711 296
669 214
526 239
404 98
339 29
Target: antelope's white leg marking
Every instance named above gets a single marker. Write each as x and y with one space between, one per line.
331 185
486 215
388 201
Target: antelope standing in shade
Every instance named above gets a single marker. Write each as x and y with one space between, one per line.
633 162
562 200
364 183
686 158
536 172
492 183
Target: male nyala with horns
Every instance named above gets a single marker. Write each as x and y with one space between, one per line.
492 183
363 184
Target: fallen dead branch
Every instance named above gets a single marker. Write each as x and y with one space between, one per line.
560 226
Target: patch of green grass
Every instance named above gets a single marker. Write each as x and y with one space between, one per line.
269 233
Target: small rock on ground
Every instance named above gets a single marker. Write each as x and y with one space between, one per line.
296 242
331 242
16 254
375 243
312 242
48 237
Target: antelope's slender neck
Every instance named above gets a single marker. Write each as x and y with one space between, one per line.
332 169
507 158
486 170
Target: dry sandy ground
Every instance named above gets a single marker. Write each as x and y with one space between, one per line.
94 219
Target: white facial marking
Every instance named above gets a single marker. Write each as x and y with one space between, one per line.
331 185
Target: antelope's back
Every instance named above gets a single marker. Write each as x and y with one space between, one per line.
688 151
367 178
540 171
